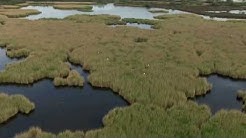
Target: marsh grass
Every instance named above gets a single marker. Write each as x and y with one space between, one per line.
29 74
73 79
84 8
104 19
159 74
9 6
151 121
158 11
11 105
140 39
17 13
225 124
36 132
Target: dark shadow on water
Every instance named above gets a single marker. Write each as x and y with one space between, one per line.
58 109
223 94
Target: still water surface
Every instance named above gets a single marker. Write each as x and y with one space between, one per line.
223 94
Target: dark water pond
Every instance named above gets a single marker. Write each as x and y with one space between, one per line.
223 94
62 108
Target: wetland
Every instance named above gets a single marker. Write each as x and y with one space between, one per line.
112 72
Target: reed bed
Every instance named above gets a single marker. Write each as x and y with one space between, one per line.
10 105
225 124
159 11
17 13
36 132
9 6
159 74
104 19
73 79
84 8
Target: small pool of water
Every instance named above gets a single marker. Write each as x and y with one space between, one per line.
4 60
60 108
223 94
141 26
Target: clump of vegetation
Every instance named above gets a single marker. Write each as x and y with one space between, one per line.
225 124
241 94
140 39
17 13
11 105
33 69
152 121
158 11
105 19
84 8
2 22
73 79
36 132
19 53
9 6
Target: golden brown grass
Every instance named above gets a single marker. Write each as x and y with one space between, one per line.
84 8
11 105
161 72
16 13
9 7
73 79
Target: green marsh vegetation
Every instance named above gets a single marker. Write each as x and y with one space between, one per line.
36 132
73 79
155 76
225 124
10 105
104 19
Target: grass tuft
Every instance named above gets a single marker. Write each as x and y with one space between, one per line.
84 8
11 105
73 79
17 13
